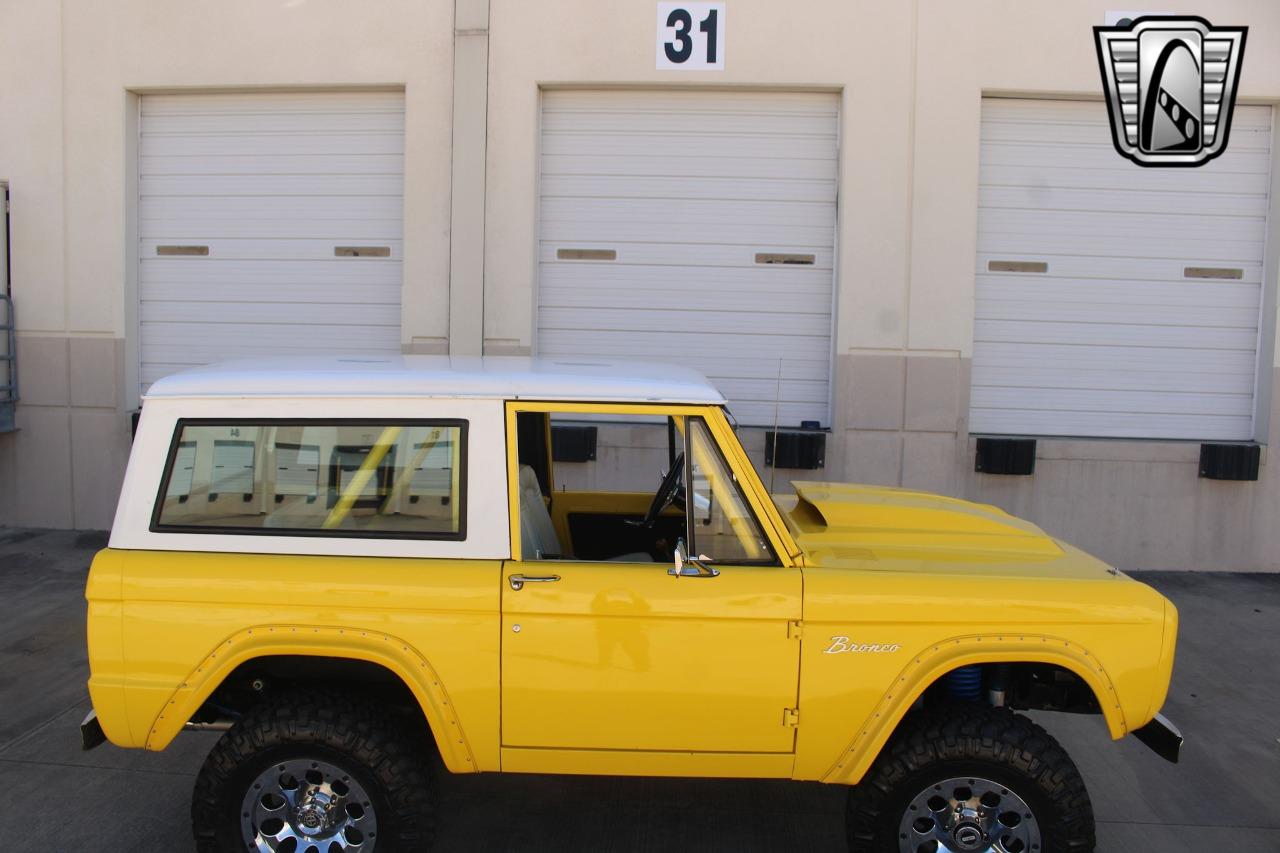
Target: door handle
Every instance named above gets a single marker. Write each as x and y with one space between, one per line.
518 581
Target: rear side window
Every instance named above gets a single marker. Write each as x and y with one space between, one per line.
385 479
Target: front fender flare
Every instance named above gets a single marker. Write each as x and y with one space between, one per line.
376 647
932 662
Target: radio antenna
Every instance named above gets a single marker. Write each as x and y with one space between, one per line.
777 405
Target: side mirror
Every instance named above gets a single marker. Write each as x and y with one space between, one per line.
690 567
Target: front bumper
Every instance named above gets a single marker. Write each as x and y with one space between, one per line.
1162 737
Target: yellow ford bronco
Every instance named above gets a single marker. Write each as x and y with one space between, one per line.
353 566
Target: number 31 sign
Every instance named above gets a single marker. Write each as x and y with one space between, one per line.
691 36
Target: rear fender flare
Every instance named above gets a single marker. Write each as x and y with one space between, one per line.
375 647
936 660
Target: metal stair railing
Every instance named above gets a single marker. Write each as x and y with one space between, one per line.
8 367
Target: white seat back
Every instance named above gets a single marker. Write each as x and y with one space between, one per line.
537 533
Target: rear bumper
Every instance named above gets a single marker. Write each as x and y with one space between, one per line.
91 733
1162 737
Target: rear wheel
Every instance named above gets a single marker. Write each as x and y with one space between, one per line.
971 780
314 773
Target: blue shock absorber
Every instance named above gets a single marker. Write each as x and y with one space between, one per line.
965 683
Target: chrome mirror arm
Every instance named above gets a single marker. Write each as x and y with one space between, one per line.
691 567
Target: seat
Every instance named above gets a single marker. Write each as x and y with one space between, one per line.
538 538
537 533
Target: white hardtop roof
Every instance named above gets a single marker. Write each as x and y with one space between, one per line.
508 378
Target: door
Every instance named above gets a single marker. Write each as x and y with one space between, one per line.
1115 301
268 224
613 655
711 214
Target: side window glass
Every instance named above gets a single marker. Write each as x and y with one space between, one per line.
723 526
599 486
362 478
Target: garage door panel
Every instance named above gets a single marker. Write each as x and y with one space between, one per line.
1190 224
685 211
686 189
240 291
1117 334
267 273
1105 400
615 280
676 295
272 313
1116 269
1209 293
817 148
330 231
248 144
661 255
252 339
1065 358
1002 376
681 320
257 164
1109 424
270 184
642 124
258 185
1136 201
339 208
1086 133
326 118
686 166
1120 246
1104 180
1102 156
613 234
678 187
1184 316
656 345
764 390
1114 339
267 249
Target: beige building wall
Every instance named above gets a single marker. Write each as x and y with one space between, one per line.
911 76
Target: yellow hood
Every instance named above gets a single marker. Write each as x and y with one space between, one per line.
838 522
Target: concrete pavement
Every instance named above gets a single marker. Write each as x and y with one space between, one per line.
1224 696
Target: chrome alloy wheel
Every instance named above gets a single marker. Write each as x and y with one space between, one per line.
305 806
968 815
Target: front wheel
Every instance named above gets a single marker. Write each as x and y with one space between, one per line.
314 773
971 780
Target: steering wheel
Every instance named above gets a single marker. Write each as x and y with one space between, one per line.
671 491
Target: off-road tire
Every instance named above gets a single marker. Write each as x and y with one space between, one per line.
992 743
390 758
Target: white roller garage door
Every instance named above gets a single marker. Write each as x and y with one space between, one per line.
268 224
695 227
1144 321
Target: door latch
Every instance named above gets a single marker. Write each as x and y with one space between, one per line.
518 581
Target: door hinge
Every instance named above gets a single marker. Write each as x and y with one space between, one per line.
795 629
790 717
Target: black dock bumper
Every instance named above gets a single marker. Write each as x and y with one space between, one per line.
1162 737
91 734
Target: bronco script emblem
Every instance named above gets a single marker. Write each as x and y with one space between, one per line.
841 645
1171 84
